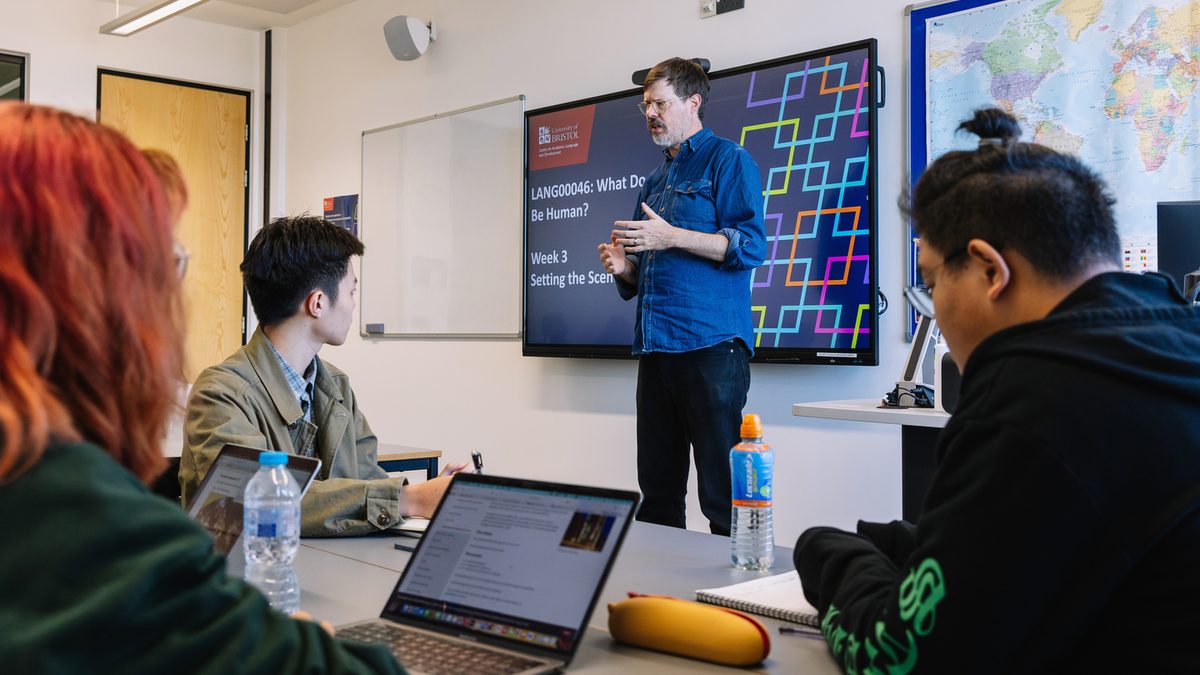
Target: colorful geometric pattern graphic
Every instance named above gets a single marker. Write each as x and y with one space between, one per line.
807 125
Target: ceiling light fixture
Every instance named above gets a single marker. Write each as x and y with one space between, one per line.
127 25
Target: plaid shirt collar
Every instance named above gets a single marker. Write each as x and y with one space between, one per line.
302 385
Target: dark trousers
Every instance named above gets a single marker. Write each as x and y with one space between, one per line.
691 399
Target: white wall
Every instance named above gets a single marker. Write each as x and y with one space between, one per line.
553 418
65 48
573 420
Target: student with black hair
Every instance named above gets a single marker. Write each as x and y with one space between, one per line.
1061 531
276 393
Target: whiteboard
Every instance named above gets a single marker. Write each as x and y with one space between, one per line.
440 216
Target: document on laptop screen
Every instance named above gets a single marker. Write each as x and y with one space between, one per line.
534 554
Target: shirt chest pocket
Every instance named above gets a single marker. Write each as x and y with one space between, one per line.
694 207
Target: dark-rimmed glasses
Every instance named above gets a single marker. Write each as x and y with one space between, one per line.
920 297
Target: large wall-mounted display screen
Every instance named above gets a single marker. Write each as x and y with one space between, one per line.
809 122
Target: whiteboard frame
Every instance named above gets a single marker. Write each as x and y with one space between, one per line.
516 282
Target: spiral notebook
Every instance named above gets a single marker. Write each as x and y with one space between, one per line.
779 596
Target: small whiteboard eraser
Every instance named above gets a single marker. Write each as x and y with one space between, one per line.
374 328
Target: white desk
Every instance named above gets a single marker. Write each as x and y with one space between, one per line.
868 410
919 429
349 579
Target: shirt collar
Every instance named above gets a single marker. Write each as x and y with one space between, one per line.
690 143
301 385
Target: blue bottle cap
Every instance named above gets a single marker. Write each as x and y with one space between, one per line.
270 458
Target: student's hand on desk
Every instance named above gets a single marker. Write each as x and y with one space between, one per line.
305 616
420 499
452 469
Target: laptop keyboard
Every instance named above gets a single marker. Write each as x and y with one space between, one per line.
427 653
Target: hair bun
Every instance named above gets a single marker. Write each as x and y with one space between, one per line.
993 125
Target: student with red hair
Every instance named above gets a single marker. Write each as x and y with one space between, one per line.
170 175
103 576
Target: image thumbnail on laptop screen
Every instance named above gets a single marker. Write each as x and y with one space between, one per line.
514 563
217 505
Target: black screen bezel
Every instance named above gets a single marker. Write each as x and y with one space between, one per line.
794 355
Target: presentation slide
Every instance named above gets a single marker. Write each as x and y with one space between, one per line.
517 552
807 121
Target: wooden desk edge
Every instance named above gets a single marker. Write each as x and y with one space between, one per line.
390 452
397 456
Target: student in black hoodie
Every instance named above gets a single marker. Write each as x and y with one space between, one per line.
1061 532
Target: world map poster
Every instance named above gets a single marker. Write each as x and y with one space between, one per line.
1112 81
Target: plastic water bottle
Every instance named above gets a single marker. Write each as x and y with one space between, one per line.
751 464
271 529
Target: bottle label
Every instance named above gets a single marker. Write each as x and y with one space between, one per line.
752 474
272 522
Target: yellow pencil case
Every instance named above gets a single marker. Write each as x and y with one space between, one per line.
691 629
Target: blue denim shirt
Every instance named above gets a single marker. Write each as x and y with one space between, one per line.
686 302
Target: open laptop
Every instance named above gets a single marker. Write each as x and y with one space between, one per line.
509 569
218 503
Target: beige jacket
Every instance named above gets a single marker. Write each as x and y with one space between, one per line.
246 400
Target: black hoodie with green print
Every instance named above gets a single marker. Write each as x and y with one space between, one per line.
1061 531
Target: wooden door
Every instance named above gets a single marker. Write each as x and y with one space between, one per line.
206 128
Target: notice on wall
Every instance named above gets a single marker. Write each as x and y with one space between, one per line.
343 211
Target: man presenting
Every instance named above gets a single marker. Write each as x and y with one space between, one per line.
688 255
276 393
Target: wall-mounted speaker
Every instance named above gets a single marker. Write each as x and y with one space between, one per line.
407 37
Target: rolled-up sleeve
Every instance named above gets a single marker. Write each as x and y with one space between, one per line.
739 201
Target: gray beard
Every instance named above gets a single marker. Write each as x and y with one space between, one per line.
667 140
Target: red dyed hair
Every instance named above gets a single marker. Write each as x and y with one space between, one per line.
171 177
91 328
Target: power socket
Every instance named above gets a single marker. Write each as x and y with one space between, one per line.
714 7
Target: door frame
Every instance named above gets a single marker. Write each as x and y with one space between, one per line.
21 59
246 94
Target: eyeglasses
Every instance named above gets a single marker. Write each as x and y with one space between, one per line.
920 297
181 258
659 106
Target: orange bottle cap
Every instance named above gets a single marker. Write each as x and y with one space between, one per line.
751 426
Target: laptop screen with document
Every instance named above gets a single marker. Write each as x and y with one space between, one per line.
514 563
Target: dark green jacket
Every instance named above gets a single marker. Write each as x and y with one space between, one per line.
246 400
101 576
